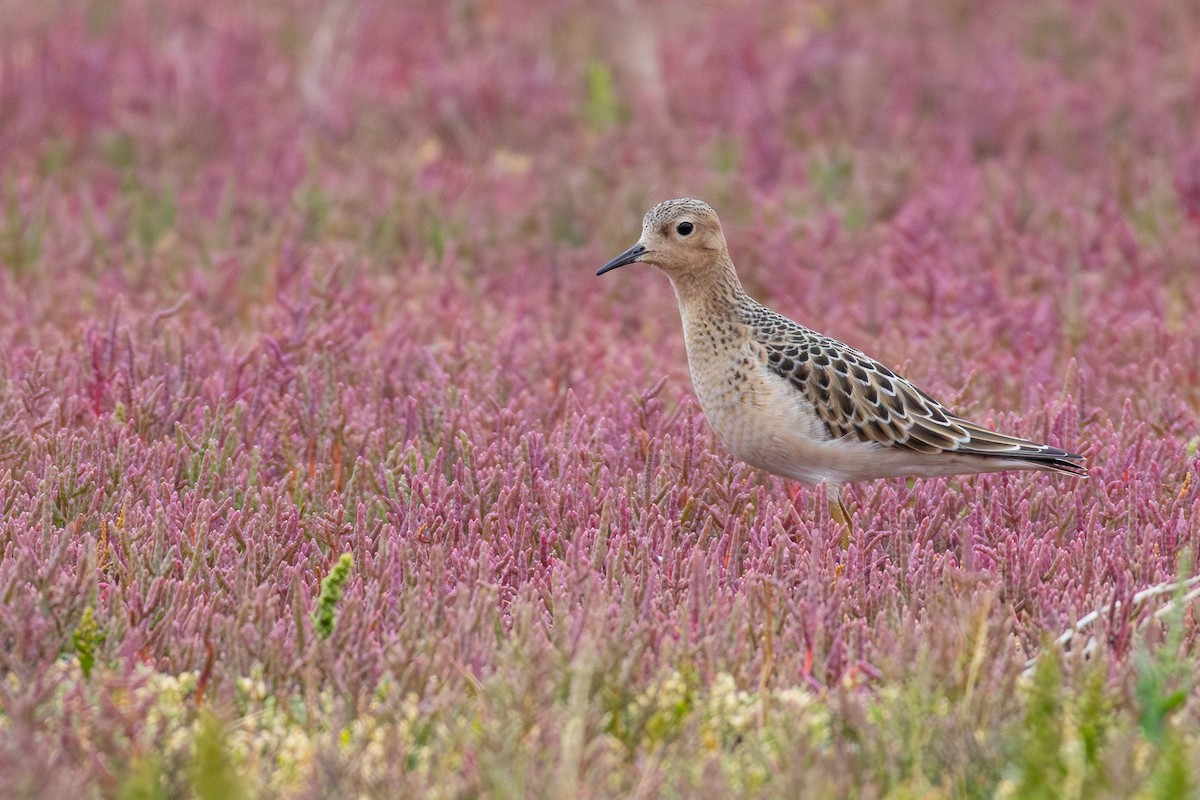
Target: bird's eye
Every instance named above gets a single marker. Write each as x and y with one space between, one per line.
684 228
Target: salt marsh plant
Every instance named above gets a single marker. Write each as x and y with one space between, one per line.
289 281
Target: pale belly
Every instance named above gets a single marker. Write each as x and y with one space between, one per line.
765 422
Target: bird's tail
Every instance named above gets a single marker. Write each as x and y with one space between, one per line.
1029 455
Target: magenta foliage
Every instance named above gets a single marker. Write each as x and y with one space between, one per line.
283 282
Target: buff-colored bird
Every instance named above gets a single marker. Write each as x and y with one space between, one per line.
798 404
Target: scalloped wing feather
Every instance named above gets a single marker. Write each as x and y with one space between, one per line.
856 396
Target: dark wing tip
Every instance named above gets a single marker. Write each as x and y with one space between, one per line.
991 444
1060 461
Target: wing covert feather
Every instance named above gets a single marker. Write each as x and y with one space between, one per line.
856 396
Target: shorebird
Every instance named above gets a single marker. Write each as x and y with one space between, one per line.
799 404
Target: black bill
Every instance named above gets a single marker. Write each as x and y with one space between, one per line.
628 257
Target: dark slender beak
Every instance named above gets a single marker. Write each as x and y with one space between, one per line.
631 255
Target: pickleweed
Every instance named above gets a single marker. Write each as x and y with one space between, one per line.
327 466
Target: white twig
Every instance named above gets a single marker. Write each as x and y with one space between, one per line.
1145 594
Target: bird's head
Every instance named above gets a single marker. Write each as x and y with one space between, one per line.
681 237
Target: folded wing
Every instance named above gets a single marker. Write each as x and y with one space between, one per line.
857 396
